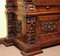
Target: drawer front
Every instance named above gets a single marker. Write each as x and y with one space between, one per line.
48 8
48 17
48 24
46 2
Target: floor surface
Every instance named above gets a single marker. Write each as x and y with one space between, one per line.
13 51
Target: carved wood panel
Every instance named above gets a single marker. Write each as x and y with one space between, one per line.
31 29
48 24
11 19
48 27
10 5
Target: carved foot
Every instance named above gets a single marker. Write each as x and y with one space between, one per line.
8 42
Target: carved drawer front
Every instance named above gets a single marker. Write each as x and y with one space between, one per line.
48 24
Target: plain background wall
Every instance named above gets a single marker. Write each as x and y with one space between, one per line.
3 20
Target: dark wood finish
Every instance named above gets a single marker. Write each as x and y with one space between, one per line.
14 25
42 24
8 41
46 2
1 40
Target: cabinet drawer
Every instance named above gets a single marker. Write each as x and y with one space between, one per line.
46 2
48 8
48 17
48 24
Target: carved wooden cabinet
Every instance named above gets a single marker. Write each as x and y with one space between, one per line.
38 22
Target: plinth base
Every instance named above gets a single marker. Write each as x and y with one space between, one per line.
28 49
8 42
32 53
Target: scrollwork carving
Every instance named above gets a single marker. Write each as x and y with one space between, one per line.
31 22
50 26
11 20
10 5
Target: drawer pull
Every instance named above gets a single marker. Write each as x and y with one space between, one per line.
47 7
